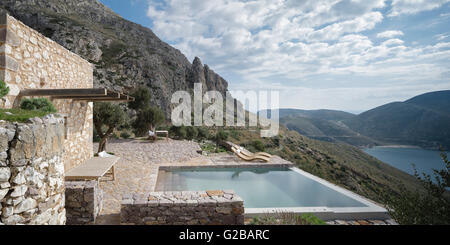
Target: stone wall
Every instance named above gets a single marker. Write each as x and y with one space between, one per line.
32 172
183 208
84 201
30 60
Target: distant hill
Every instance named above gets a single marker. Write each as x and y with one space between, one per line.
324 125
423 121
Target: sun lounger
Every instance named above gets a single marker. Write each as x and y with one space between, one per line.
248 153
249 158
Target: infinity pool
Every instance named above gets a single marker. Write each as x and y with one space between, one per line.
261 187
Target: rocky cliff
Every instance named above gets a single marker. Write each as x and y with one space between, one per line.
125 54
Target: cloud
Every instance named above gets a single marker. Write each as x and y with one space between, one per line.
310 44
400 7
389 34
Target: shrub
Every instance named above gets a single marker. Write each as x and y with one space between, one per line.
287 219
203 133
429 207
125 135
191 132
37 104
4 90
259 146
235 134
220 136
179 132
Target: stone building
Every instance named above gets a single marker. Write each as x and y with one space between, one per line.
29 60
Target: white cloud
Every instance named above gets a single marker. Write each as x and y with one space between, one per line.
274 44
400 7
389 34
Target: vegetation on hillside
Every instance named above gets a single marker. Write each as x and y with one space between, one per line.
287 219
429 207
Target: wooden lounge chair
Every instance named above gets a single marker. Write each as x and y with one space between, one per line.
93 169
250 154
249 158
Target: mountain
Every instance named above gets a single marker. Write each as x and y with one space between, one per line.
325 125
125 54
332 115
423 121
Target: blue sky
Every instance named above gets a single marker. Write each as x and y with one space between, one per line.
350 55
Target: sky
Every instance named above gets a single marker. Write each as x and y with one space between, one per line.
350 55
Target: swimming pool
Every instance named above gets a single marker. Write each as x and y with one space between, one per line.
270 189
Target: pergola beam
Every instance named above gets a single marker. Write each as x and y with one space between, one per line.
91 94
65 92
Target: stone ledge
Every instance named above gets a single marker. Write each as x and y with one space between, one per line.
9 63
9 37
183 207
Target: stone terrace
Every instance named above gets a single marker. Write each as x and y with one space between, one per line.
137 170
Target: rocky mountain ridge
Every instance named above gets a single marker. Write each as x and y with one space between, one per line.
125 54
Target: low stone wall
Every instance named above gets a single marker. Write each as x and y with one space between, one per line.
32 172
181 208
84 201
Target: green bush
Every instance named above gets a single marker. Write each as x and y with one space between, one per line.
428 207
191 132
4 90
178 132
125 135
203 133
259 146
287 219
37 104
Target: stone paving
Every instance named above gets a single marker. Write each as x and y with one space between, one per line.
137 170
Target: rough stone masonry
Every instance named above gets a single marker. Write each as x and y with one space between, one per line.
32 172
84 201
29 60
183 208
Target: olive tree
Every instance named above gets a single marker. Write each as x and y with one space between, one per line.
109 116
148 119
142 96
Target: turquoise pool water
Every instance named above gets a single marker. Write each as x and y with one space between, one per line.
259 187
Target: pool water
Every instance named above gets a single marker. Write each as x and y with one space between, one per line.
261 187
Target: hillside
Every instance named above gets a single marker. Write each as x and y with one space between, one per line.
325 125
423 121
125 54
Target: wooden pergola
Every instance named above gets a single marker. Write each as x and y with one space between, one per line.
83 94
